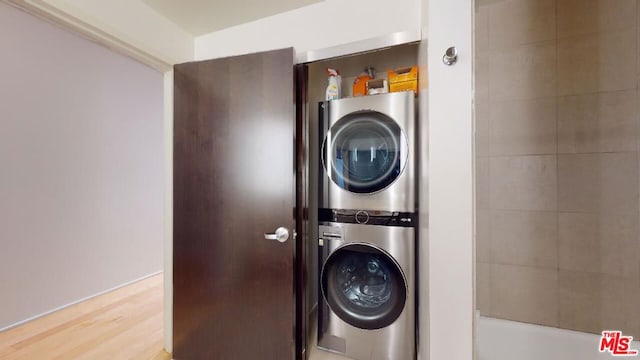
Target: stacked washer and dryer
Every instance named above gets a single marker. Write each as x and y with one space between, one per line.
367 227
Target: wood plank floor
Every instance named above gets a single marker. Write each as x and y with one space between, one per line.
123 324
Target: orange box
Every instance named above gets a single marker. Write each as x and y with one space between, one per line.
403 79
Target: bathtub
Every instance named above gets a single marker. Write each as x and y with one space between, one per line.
510 340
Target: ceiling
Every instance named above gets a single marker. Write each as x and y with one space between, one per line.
199 17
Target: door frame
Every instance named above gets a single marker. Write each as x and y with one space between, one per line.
447 224
168 211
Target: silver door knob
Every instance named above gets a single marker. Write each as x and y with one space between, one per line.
450 56
281 235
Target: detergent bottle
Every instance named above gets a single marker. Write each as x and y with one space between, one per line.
333 89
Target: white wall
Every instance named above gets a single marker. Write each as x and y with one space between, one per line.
81 168
502 339
325 24
450 197
131 27
168 211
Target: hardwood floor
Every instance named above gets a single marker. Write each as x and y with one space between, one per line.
123 324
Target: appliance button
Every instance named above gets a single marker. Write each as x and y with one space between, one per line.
362 217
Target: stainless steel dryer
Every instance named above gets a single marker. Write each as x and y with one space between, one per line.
367 153
367 281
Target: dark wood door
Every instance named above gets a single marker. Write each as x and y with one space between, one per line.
234 181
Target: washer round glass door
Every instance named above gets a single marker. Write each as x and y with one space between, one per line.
364 152
364 286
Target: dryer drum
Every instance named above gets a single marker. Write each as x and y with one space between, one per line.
364 286
364 152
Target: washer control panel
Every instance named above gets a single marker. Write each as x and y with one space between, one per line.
367 217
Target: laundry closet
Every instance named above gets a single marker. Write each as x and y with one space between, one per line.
362 158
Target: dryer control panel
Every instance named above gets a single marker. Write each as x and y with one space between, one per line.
367 217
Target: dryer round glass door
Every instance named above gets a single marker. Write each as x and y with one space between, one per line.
364 286
364 152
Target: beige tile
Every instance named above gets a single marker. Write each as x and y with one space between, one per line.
482 183
525 294
482 128
595 302
482 76
595 63
483 244
638 273
603 122
523 183
483 287
638 168
595 183
638 47
523 72
580 17
523 127
518 22
528 238
482 29
600 243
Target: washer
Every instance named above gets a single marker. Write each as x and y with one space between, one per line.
367 281
367 153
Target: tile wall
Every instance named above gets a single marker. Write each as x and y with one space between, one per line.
557 141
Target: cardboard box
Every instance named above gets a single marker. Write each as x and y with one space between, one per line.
403 79
377 86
